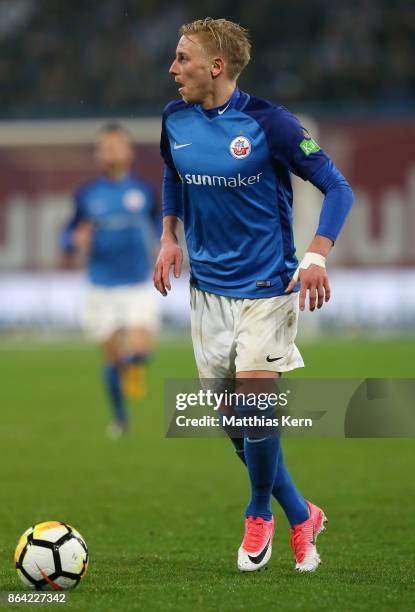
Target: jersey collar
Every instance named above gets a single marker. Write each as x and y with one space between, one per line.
124 179
217 111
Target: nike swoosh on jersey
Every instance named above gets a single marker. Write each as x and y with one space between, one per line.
270 360
220 112
180 146
261 555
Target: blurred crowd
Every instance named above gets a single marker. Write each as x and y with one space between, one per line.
94 57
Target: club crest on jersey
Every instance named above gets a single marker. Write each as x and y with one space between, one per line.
240 147
133 200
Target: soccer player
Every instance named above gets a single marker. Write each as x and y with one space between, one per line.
114 223
228 158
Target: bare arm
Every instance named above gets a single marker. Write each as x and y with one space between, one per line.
170 255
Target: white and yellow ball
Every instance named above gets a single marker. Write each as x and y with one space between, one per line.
51 556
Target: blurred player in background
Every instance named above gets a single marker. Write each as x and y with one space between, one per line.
228 158
114 224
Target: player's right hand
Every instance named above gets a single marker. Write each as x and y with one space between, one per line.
83 236
170 256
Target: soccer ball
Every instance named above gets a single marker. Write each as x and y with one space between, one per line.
51 555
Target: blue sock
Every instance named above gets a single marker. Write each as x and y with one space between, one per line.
284 489
288 496
113 384
261 455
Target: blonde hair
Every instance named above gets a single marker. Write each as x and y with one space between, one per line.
220 36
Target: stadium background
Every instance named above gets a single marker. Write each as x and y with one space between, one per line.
148 507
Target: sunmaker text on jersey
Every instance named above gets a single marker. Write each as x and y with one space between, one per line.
222 181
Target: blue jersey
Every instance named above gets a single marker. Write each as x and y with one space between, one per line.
227 175
123 214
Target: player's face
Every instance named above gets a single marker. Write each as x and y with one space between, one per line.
191 69
113 153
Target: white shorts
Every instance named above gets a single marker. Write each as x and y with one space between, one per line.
108 309
240 335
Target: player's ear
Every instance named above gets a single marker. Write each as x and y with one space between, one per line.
218 66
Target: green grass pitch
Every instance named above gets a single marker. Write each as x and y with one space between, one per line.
163 518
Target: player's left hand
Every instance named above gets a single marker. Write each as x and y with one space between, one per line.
315 280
